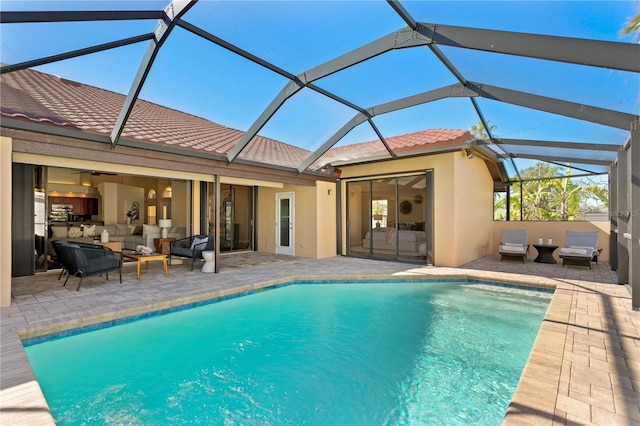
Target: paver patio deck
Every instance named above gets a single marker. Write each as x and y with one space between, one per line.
584 367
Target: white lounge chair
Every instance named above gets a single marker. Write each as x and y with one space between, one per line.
514 244
579 248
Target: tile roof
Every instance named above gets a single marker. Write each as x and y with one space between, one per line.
48 99
401 144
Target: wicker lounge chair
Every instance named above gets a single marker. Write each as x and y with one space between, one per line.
514 244
580 248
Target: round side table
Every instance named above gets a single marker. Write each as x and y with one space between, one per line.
209 261
545 253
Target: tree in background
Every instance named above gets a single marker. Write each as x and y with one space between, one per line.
632 27
479 131
546 198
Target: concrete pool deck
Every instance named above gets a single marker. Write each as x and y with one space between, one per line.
584 367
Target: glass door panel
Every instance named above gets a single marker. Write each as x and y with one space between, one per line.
358 218
411 227
383 207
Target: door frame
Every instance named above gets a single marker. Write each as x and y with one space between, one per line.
288 250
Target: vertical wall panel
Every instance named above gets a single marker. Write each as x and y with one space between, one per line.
22 234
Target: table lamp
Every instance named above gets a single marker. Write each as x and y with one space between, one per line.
164 224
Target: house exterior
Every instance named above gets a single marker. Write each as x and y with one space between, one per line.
55 144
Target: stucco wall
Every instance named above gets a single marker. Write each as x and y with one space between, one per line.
326 220
314 219
557 232
473 209
463 202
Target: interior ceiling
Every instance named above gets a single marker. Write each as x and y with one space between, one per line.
451 58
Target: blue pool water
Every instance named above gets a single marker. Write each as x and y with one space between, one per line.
376 353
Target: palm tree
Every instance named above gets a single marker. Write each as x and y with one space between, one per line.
479 132
632 27
553 199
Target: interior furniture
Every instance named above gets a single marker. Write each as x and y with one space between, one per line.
209 261
580 248
87 260
387 239
139 258
163 245
545 253
131 235
514 244
191 247
164 225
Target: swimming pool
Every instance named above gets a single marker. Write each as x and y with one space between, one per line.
374 353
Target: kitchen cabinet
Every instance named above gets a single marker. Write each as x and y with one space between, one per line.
80 205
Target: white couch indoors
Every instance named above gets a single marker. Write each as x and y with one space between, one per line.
130 235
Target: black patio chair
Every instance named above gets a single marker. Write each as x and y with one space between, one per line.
57 243
191 247
88 260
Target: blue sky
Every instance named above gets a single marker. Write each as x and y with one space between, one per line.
198 77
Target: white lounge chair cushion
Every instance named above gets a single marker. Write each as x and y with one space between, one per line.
513 248
577 251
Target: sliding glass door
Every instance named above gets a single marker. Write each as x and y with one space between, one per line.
236 216
391 218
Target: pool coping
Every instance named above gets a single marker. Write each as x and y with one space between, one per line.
539 396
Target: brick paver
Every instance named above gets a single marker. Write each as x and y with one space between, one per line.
584 367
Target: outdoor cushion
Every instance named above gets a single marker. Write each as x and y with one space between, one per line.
197 241
519 248
575 251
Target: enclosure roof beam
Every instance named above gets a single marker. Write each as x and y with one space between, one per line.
548 158
165 25
75 53
596 53
606 117
78 16
562 145
400 39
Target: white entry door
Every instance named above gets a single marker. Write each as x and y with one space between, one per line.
284 223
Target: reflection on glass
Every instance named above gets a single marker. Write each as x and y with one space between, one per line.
388 218
284 222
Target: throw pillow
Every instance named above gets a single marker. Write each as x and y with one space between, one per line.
137 230
59 231
197 241
74 233
89 231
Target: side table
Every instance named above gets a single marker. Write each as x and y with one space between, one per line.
163 245
209 261
545 253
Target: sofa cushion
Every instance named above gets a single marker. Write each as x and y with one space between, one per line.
122 230
74 232
59 231
150 229
137 230
89 231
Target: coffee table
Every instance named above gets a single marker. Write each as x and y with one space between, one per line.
140 258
